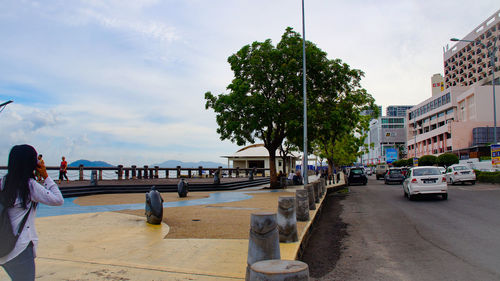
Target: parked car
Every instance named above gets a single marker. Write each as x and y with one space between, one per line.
357 175
425 180
394 175
405 171
380 170
368 171
460 173
442 169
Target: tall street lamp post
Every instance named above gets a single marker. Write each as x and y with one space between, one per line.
304 164
3 105
492 55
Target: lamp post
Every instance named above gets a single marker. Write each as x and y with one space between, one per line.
304 164
3 105
491 54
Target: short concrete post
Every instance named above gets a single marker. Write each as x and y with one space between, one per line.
310 195
154 206
287 219
120 172
302 202
81 172
134 172
182 188
316 191
146 169
323 186
279 270
263 243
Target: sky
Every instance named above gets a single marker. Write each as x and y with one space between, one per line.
124 81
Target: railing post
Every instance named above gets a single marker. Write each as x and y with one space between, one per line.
210 172
151 173
120 172
220 172
127 174
134 172
189 173
200 171
178 171
230 173
237 172
139 173
145 172
81 172
100 174
156 172
166 173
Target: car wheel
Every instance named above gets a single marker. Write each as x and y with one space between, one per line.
404 193
385 182
411 197
444 196
473 182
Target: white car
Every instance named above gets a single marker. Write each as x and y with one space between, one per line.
425 180
460 173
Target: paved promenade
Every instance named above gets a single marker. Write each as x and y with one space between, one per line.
106 237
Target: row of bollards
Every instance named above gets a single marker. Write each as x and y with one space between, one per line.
267 230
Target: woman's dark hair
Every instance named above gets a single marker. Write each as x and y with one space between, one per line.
22 163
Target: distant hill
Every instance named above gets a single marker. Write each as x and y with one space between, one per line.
87 163
175 163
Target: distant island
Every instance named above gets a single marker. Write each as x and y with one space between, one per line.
166 164
87 163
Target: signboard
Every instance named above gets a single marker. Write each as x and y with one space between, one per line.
415 162
495 155
391 155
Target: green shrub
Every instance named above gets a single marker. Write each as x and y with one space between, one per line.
427 160
447 159
491 177
399 163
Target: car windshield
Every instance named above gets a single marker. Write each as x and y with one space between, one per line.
395 171
461 168
426 172
356 171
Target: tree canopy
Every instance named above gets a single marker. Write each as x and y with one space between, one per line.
264 100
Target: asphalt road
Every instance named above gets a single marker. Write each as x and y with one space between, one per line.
392 238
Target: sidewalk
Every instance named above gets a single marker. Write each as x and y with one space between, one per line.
120 245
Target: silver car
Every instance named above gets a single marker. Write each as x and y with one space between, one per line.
425 180
460 173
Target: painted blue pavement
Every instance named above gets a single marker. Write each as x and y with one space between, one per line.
70 208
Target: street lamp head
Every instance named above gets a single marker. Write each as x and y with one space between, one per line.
454 39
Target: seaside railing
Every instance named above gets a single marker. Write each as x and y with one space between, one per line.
133 172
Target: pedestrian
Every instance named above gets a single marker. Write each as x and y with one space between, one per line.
63 169
40 165
20 193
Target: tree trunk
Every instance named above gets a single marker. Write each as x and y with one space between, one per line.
330 167
272 168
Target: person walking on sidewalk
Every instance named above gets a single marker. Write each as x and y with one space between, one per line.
20 194
62 170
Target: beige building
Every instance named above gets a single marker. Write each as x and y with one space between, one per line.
458 117
257 156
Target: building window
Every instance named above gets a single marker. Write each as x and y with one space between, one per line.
441 114
449 111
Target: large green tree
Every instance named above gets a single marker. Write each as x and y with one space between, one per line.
339 124
264 100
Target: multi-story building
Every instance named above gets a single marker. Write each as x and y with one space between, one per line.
385 133
459 115
397 110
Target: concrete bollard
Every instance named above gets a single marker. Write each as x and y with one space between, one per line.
182 188
302 203
279 270
316 192
263 243
310 195
323 186
287 219
154 206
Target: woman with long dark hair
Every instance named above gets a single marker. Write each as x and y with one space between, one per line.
21 193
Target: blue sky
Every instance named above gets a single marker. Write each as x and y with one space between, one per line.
123 81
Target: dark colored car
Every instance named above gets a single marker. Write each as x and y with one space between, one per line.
357 175
394 175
